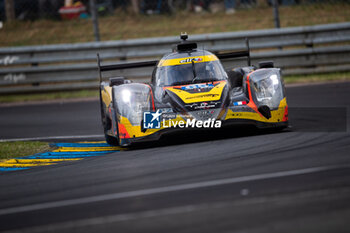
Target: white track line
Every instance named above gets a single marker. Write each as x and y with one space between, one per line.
181 187
51 138
110 219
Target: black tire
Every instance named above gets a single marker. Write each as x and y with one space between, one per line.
106 123
111 140
114 141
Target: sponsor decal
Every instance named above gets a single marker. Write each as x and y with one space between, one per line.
207 114
200 106
202 96
187 60
197 86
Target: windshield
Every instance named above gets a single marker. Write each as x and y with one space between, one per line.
184 74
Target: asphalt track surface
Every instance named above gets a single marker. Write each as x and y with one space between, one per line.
233 180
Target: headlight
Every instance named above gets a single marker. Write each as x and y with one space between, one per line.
126 95
268 88
132 100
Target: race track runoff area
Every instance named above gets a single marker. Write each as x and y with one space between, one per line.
61 152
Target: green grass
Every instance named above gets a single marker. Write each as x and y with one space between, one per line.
18 149
123 25
48 96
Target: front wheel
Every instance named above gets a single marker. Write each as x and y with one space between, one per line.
111 140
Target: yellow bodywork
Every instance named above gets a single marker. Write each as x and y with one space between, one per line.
276 115
187 60
134 131
106 95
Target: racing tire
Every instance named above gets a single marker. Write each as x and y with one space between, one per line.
111 140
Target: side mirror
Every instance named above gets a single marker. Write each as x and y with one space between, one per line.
235 77
116 81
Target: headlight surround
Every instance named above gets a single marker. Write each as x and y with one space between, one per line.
267 87
132 100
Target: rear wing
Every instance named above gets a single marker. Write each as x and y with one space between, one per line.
236 54
122 66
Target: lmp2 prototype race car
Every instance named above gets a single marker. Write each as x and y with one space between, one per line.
190 88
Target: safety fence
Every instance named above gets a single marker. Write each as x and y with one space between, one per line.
297 50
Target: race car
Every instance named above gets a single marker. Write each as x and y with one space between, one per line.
190 88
